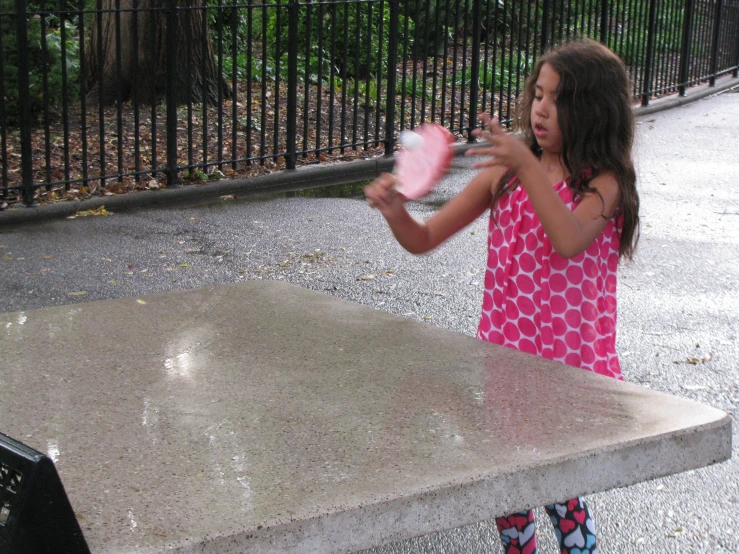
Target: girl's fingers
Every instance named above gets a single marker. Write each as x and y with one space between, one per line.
374 194
493 135
385 180
492 123
484 118
494 128
381 193
380 185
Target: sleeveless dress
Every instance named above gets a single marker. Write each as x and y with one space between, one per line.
537 301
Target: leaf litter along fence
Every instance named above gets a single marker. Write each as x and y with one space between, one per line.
104 96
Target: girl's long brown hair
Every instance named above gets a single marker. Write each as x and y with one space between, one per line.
597 124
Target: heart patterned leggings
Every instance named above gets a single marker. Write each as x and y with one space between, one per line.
572 524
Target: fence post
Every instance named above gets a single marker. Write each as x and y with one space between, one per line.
716 40
171 91
392 62
292 82
545 26
735 73
24 103
649 65
685 48
475 67
604 22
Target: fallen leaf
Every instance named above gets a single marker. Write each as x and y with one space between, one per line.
98 211
77 293
140 301
365 277
184 265
695 361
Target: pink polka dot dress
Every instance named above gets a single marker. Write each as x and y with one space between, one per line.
539 302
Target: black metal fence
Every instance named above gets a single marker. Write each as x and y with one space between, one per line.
105 95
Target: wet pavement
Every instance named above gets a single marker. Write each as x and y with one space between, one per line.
678 311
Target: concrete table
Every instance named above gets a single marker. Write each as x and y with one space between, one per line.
262 417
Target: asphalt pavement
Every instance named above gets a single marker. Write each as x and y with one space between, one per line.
678 321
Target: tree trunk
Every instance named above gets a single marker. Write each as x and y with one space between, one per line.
142 67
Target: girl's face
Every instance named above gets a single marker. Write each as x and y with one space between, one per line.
544 123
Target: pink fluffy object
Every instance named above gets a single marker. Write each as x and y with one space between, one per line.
424 157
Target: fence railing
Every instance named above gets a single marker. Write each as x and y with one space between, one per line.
102 95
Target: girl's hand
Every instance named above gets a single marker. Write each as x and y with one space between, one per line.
383 195
505 149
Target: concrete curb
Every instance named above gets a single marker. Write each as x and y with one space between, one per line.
291 180
283 181
696 93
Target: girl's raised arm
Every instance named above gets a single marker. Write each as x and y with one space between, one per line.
569 231
418 237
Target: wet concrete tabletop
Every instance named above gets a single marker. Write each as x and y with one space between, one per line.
263 415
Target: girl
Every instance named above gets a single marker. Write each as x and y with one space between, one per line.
564 210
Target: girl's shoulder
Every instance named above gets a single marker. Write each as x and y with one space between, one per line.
590 175
605 184
602 175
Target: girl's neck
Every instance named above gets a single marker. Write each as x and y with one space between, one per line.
553 166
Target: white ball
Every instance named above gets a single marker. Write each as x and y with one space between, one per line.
410 140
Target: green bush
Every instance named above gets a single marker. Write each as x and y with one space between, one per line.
42 59
630 32
339 24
